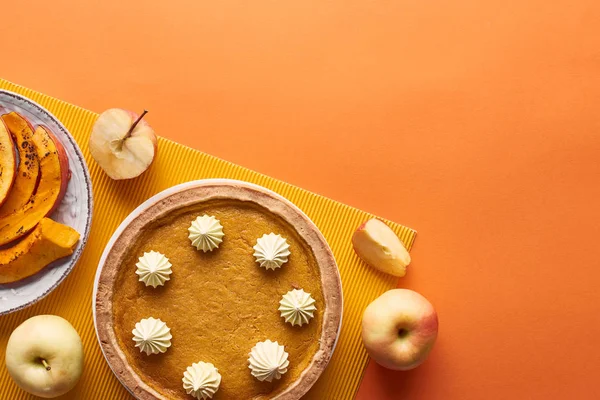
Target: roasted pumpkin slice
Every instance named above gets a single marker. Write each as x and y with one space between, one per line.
8 162
54 176
28 170
48 242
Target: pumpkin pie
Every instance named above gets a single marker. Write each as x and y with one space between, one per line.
220 303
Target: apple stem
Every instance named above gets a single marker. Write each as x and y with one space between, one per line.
46 365
137 121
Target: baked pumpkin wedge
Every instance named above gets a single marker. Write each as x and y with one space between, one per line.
48 242
54 176
28 171
8 162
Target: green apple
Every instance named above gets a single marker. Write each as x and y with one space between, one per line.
44 356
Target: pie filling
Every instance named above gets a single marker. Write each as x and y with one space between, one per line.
219 304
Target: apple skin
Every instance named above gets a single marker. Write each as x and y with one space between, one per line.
53 339
143 128
399 329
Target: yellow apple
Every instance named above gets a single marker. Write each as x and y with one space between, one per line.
44 356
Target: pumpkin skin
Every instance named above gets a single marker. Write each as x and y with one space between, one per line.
28 171
65 172
48 242
8 162
54 176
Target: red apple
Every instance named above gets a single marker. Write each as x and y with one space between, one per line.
399 329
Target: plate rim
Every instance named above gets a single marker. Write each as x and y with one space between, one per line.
156 198
89 188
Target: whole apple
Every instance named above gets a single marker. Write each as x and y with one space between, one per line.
399 329
44 356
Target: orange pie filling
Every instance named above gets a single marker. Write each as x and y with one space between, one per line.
220 303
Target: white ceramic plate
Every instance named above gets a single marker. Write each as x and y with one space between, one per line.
156 198
75 209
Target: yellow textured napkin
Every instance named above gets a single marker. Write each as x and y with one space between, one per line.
175 163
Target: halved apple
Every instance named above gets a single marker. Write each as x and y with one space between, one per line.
54 176
122 143
8 162
48 242
28 170
378 245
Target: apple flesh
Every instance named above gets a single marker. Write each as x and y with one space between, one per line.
122 143
377 245
44 356
399 329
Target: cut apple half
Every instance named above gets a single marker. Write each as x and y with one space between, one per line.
54 176
8 162
122 143
28 171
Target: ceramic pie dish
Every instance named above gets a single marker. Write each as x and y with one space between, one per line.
218 304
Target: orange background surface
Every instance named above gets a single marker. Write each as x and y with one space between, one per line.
475 122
